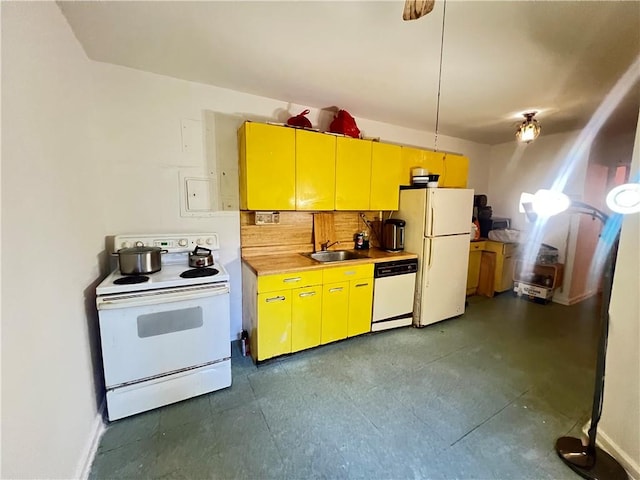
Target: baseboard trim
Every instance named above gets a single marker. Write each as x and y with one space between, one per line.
97 430
573 300
604 441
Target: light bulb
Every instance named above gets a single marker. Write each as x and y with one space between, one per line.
547 203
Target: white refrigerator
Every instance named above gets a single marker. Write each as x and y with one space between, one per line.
438 224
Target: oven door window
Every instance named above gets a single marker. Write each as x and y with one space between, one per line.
162 323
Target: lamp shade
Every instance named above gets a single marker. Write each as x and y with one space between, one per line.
625 198
547 203
529 129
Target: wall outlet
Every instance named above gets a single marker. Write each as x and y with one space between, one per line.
267 218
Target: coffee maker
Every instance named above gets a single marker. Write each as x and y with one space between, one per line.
393 235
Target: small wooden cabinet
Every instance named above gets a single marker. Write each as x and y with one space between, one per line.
506 255
473 272
502 265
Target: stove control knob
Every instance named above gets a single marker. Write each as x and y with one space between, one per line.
200 241
209 241
125 245
182 242
139 244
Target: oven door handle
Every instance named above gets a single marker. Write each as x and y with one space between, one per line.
137 299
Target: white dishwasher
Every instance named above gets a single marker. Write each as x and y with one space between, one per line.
393 290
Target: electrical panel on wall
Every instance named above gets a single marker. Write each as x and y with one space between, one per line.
198 195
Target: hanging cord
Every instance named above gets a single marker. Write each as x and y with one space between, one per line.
444 13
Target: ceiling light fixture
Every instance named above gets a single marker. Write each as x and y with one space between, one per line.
529 129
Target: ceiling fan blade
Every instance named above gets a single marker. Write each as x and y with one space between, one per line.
414 9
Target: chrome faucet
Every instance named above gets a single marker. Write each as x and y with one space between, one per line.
324 246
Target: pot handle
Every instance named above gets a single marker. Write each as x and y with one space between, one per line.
116 254
201 250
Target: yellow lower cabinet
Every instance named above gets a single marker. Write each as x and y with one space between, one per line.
473 273
274 324
306 317
335 312
360 305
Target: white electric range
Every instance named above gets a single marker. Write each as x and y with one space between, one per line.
166 335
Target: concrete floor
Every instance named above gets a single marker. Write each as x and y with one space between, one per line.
483 396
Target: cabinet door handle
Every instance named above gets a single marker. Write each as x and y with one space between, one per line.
279 298
335 289
361 285
350 272
307 294
292 279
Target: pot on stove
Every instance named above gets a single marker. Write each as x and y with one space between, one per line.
140 260
200 257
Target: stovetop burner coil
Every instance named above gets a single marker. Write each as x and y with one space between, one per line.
132 279
199 272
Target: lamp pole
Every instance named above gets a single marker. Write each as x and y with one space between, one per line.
590 461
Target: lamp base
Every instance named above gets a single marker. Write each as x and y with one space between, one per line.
593 464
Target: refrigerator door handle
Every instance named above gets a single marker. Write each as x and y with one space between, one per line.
430 226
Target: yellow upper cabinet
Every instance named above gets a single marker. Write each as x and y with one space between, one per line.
315 171
456 171
411 157
386 174
353 173
435 164
432 162
267 167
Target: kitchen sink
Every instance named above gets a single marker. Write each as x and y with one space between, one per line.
334 256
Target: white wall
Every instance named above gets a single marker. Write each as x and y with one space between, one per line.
52 238
620 424
140 153
91 150
517 168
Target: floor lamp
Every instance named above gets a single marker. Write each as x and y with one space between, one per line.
589 461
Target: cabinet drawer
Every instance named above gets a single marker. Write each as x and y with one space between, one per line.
341 274
271 283
474 246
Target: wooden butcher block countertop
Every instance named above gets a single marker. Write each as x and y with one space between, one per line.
295 262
